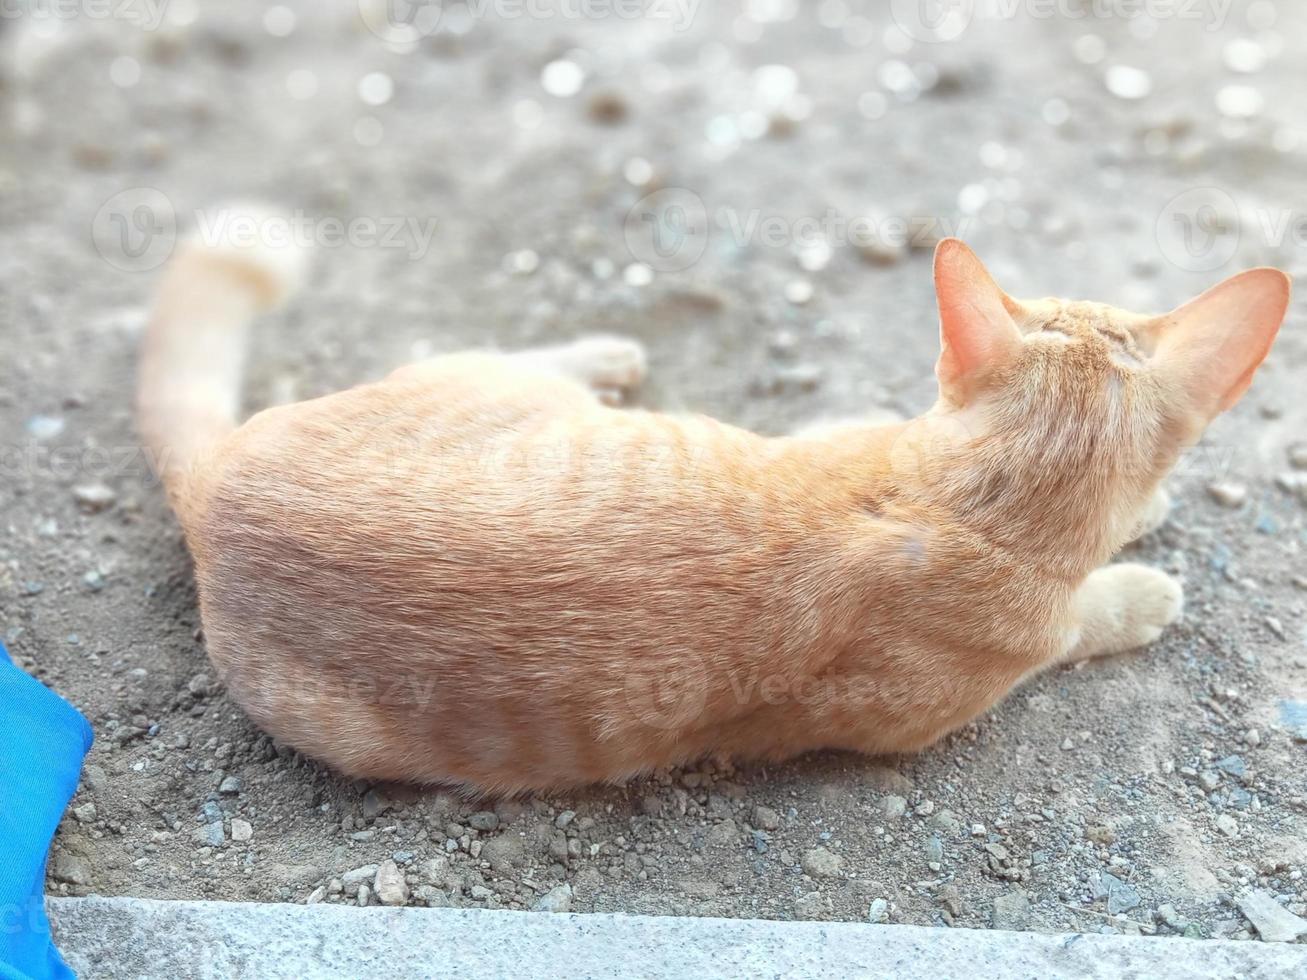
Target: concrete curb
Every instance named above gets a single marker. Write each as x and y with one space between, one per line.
126 937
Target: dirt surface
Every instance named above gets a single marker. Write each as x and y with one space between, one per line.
1148 793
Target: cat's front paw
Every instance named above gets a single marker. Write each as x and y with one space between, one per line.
1123 607
1154 515
1146 602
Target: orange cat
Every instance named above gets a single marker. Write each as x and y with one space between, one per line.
477 572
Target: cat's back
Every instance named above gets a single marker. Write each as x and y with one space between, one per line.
392 506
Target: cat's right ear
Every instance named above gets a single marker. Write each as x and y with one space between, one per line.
976 330
1212 345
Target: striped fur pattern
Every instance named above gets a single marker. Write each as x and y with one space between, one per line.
482 572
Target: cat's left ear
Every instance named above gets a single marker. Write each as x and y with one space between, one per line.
1212 345
977 332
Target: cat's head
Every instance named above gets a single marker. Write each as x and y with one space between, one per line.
1118 390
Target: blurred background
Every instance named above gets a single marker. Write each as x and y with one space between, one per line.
753 189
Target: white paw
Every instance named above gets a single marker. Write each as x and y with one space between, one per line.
1154 515
1147 601
612 366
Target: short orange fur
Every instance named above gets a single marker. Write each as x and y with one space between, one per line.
477 572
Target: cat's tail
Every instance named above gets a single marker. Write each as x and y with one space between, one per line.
193 355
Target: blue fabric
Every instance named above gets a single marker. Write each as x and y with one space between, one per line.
43 740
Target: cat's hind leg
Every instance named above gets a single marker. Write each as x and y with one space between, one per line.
599 367
1123 607
611 367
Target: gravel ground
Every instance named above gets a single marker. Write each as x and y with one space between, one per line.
490 179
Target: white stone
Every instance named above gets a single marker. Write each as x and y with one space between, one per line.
389 884
123 937
557 899
1231 495
1273 922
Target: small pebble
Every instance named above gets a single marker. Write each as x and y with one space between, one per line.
1294 483
1100 834
821 863
1011 911
1121 895
878 252
241 830
374 804
351 879
94 497
1231 495
879 911
608 108
557 899
1273 922
389 884
71 868
893 807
